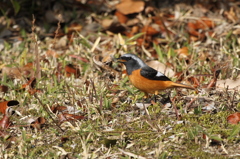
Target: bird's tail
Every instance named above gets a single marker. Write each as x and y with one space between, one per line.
179 85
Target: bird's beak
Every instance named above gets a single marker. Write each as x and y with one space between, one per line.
120 60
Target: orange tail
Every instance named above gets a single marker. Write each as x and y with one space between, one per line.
179 85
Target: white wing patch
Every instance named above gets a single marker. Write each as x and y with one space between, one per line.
159 74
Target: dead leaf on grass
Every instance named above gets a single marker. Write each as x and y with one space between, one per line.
69 117
130 6
52 53
151 30
58 108
234 118
38 123
3 88
72 70
121 17
161 68
16 72
182 53
6 104
5 122
229 83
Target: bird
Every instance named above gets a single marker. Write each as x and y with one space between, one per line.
146 78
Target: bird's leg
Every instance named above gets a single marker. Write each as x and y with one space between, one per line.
155 96
146 98
146 95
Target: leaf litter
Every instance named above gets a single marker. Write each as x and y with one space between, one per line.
83 94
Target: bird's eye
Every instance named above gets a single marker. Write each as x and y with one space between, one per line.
128 58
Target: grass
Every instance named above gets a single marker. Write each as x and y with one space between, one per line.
120 129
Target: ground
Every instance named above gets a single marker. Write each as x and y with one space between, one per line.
63 94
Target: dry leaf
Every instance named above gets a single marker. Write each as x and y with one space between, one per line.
5 122
69 117
234 118
121 17
38 123
31 83
4 105
151 30
3 89
231 84
71 69
52 53
16 72
161 68
130 6
212 83
74 27
58 108
182 52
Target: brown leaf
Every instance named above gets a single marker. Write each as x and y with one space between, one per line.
31 83
182 52
71 69
38 123
74 27
69 117
58 108
234 118
5 122
16 72
204 23
3 89
130 6
33 91
150 30
51 53
4 105
213 82
121 17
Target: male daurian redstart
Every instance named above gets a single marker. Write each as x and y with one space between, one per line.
146 78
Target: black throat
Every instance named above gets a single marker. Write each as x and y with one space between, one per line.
133 65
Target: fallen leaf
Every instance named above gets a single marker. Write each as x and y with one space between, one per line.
4 105
234 118
161 68
5 121
74 27
58 108
71 69
38 123
16 72
121 17
212 83
51 53
182 52
3 89
151 30
130 6
231 15
69 117
229 83
31 83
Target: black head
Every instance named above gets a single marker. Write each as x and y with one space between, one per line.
132 62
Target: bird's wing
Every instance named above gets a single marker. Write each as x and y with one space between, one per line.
153 74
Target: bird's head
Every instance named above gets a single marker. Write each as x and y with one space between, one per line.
131 61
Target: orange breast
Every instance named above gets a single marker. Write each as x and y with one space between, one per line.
146 85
